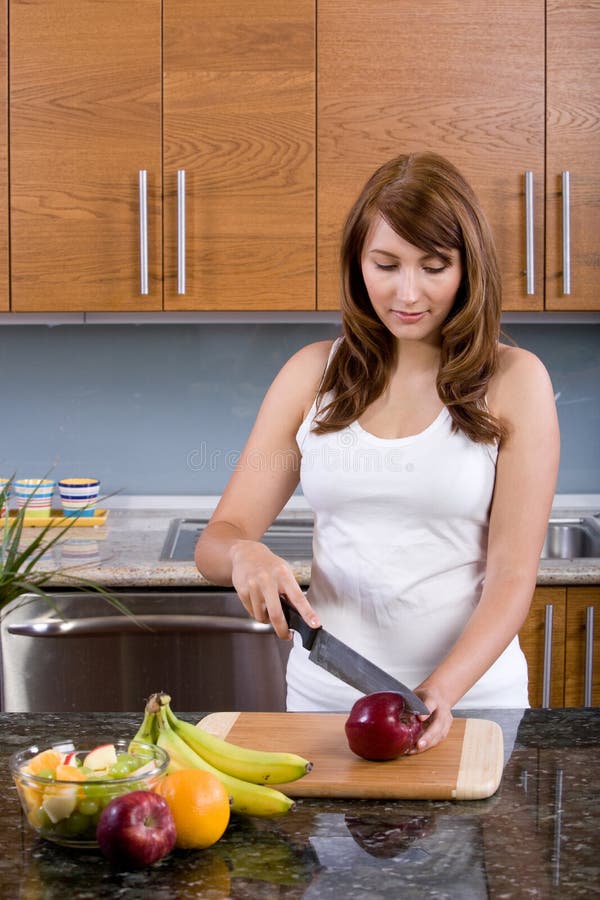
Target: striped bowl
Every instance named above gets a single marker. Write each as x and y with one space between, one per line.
36 493
79 495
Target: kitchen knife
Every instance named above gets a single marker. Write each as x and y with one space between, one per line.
345 663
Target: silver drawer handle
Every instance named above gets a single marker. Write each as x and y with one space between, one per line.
158 624
143 231
181 231
547 676
530 266
566 231
589 656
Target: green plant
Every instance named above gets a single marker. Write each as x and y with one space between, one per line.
19 571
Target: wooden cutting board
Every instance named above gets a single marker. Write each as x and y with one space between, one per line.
466 766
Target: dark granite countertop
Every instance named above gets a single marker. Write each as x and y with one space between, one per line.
536 837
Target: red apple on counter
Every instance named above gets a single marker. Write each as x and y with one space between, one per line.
136 829
380 727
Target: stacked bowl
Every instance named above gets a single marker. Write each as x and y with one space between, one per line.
79 495
36 493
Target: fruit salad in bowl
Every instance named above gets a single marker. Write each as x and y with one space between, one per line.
63 789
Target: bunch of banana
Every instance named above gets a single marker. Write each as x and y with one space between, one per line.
245 773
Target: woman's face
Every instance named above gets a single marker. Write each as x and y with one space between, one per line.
411 291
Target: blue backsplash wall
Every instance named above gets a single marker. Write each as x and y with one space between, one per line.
164 409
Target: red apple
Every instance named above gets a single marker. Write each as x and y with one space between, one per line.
380 727
136 829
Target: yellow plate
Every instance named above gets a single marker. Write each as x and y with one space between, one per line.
57 517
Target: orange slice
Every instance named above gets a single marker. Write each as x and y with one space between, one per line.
47 759
69 773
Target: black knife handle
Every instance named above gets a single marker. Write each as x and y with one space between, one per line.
297 623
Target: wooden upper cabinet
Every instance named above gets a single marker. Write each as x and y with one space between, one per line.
85 118
573 129
4 272
463 79
239 107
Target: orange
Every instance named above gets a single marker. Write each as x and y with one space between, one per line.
69 773
47 759
199 804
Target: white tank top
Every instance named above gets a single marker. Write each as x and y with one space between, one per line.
399 554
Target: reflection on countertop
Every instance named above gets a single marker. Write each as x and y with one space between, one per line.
126 553
537 836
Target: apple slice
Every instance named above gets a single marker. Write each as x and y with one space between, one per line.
70 759
60 806
101 758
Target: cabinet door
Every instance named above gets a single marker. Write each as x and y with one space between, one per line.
85 95
4 298
579 600
573 134
533 641
463 79
239 119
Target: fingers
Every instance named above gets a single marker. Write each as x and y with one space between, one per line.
435 729
260 579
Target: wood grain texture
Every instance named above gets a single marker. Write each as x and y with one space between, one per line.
466 766
465 80
573 144
85 117
578 600
531 638
239 107
4 270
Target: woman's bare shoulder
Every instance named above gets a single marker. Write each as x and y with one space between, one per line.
520 378
308 364
301 376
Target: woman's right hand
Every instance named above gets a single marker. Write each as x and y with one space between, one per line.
260 578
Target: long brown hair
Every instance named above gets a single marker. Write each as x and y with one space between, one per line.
426 201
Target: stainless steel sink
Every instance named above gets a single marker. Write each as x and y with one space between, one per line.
577 538
289 538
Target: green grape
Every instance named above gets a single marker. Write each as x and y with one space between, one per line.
119 770
93 791
46 773
62 828
76 823
88 807
44 819
127 760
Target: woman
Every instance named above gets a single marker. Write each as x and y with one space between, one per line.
427 449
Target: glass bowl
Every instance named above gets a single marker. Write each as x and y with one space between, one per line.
66 811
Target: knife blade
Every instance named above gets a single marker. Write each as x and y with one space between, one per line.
344 663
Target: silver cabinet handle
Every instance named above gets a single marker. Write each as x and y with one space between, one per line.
157 624
547 676
530 267
589 656
566 231
181 231
143 231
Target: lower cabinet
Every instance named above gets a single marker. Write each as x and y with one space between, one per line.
582 647
561 641
542 640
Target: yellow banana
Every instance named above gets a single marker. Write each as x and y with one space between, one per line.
257 766
249 799
147 731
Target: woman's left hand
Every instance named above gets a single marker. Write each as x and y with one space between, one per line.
437 724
